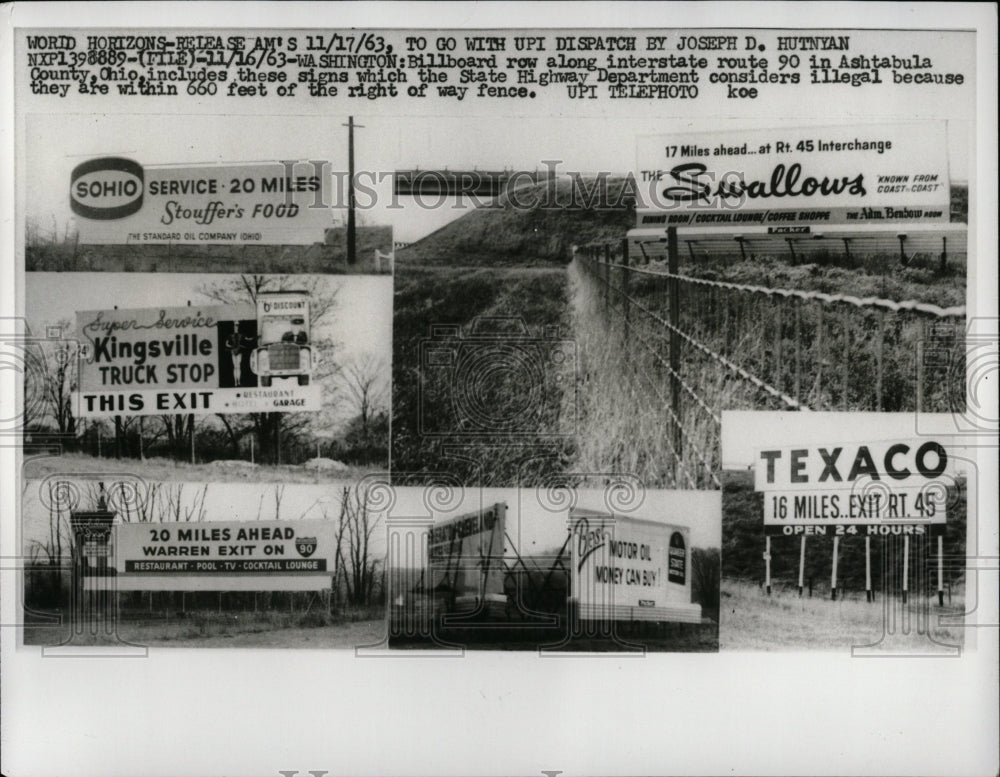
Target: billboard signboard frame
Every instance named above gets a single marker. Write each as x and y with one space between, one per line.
865 175
170 360
622 569
854 488
225 555
121 201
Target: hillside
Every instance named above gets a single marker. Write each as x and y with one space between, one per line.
534 224
539 224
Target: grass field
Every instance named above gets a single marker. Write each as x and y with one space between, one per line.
328 259
227 629
478 402
752 621
627 637
171 471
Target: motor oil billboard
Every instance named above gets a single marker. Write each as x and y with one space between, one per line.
630 569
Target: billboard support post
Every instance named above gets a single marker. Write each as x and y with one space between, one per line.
767 565
675 340
802 562
906 566
940 570
833 570
868 570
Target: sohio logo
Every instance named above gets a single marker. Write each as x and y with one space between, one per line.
106 188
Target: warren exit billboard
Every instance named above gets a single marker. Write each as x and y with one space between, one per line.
225 555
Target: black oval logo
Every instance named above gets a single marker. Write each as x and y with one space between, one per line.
106 188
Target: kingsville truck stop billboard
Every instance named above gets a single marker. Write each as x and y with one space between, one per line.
195 359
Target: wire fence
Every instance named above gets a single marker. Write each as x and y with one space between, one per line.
703 345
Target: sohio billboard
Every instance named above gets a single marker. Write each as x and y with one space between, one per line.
629 569
118 200
262 555
199 359
897 486
856 174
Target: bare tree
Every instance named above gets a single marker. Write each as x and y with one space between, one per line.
173 507
279 493
337 578
50 378
359 525
366 381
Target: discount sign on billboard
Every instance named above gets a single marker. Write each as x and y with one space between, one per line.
118 200
854 174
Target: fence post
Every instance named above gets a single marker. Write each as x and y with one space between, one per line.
625 299
675 339
607 274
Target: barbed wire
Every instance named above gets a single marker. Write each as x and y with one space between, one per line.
804 350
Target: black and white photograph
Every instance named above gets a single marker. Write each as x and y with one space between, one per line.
603 377
599 313
117 561
208 377
552 570
846 534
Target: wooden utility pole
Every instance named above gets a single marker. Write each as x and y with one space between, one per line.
351 228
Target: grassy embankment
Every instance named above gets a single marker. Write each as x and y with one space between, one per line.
309 626
622 381
752 621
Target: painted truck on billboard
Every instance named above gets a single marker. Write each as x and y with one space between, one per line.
199 359
283 348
